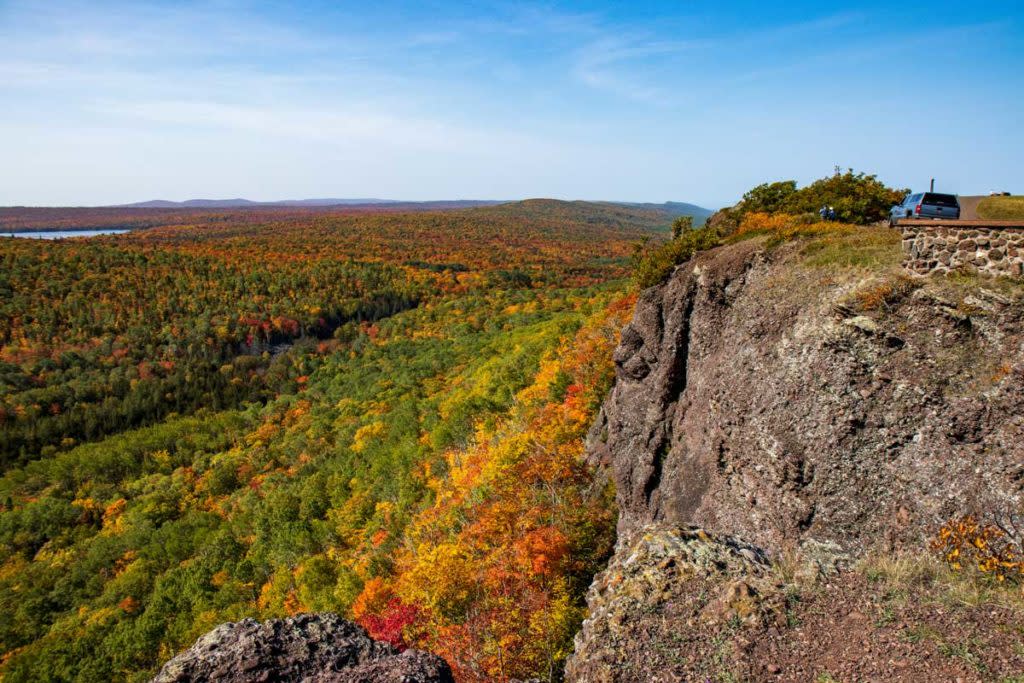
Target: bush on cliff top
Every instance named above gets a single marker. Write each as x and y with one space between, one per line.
781 211
858 198
653 267
827 244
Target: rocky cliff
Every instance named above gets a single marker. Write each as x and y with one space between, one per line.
807 413
778 402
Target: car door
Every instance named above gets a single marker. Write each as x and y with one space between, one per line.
908 206
897 211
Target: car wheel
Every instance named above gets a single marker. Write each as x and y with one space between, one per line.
892 222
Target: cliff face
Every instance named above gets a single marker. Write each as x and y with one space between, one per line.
777 402
814 413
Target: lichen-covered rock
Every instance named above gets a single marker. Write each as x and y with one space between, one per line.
307 647
661 583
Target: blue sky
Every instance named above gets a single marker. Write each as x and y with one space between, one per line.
107 102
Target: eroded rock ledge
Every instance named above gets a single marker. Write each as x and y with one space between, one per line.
307 647
631 601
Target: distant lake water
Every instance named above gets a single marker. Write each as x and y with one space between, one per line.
61 234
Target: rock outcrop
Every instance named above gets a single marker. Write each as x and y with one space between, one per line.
659 566
308 647
774 402
766 408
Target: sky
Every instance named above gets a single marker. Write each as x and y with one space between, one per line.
113 102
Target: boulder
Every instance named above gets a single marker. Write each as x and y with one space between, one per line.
322 648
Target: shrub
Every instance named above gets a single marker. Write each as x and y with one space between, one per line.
770 197
781 227
995 548
858 198
681 226
761 223
882 295
655 266
725 221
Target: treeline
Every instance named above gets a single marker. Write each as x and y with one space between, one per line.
555 243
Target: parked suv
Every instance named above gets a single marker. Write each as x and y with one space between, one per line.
925 205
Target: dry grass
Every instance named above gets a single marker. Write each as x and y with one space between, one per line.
879 295
1001 208
923 576
786 567
781 227
963 283
826 244
870 248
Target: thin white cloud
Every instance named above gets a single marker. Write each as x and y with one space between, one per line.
610 64
323 126
144 30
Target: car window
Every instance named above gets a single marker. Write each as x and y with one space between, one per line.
937 199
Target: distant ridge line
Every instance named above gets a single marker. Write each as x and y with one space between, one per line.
670 207
239 202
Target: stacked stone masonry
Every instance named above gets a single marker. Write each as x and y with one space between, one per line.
936 247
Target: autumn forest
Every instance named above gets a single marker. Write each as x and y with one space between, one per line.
260 413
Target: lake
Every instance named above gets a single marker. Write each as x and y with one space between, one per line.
61 234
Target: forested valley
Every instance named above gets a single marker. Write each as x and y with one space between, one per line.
378 414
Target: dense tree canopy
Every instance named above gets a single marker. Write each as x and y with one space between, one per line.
342 412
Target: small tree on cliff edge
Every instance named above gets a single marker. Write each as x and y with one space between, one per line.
681 225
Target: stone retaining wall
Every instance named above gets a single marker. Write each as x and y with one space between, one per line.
985 247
